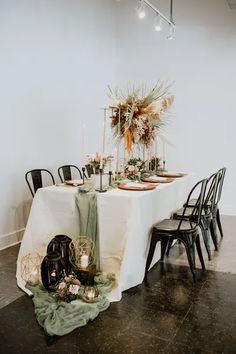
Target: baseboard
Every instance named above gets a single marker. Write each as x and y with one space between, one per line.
11 239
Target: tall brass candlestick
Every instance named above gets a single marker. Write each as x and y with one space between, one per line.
118 147
155 153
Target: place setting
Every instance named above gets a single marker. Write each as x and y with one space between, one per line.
72 183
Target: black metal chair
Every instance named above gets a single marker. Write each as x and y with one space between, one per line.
37 179
216 213
211 215
90 170
65 172
186 231
207 212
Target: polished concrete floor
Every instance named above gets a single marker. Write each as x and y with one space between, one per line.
166 314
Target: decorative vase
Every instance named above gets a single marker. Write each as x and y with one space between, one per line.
52 269
60 244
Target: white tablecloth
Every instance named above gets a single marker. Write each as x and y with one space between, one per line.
125 221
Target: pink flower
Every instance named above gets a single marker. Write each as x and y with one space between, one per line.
62 285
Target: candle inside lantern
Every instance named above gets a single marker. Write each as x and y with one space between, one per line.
53 273
90 294
84 261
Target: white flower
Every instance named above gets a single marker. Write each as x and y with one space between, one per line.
73 289
131 168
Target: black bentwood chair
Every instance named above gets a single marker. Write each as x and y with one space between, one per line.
186 231
65 172
89 169
216 211
211 208
207 212
37 177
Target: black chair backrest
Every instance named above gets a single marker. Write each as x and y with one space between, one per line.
211 190
37 180
221 174
195 216
65 172
89 169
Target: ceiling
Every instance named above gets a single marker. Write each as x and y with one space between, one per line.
232 4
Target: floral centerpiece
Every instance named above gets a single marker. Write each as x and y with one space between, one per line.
138 113
94 161
133 168
68 288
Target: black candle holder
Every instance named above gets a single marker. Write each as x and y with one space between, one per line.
110 177
164 165
83 173
101 190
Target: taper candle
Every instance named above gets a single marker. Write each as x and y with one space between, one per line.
103 138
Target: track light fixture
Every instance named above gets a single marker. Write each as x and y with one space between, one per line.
171 32
141 9
158 27
159 16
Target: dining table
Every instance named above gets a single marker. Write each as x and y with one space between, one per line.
125 219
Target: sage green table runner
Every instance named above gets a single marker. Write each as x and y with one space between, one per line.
59 317
86 204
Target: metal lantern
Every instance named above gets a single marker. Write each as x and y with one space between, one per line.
30 268
52 269
60 244
82 252
91 293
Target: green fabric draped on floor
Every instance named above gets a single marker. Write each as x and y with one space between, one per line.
58 317
86 203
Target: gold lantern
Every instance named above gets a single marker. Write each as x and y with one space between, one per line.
82 252
31 268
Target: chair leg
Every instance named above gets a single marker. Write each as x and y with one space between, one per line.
189 253
164 242
213 233
219 222
151 251
205 238
199 251
169 247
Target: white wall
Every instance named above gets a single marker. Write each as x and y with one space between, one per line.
201 60
57 58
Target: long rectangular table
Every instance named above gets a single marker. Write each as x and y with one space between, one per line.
125 221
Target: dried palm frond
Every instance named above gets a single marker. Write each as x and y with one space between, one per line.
139 112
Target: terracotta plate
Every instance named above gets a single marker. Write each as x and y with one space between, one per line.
171 174
156 180
131 187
